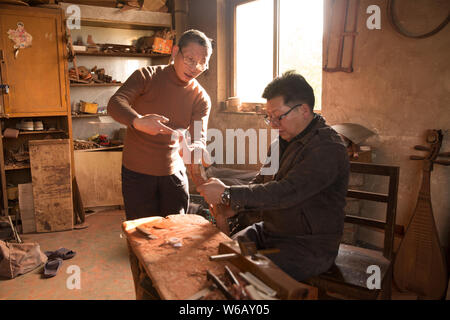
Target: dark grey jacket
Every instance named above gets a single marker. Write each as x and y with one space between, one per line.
303 203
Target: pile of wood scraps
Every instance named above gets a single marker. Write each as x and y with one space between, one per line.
95 142
145 5
145 44
84 75
17 158
116 48
84 145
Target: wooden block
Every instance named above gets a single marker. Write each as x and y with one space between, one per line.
51 174
26 206
99 178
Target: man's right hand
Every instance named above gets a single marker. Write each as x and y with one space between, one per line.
152 124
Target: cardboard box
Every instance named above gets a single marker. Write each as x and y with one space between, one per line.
88 107
161 45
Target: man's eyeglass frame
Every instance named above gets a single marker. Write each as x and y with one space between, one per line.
194 64
268 120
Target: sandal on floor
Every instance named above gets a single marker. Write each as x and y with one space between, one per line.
62 253
51 267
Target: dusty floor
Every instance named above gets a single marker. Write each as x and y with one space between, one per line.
101 254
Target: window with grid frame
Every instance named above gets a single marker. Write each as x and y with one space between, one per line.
269 37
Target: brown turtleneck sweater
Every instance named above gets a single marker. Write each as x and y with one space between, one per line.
158 90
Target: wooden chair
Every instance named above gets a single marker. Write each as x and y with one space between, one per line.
348 277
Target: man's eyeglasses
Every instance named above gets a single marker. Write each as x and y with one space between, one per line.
191 63
276 121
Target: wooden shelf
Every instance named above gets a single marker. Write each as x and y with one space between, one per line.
96 16
90 115
41 132
102 149
17 167
112 84
122 54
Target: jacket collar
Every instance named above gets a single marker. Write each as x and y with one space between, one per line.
303 137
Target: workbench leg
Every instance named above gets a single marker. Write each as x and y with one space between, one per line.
143 286
134 264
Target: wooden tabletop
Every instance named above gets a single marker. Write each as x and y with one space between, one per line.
176 272
177 261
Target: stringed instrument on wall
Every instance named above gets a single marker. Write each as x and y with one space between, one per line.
420 264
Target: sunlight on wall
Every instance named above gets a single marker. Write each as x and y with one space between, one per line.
301 29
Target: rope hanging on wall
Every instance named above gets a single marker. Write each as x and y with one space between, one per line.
402 31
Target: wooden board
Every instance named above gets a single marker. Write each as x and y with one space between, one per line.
99 177
26 206
52 184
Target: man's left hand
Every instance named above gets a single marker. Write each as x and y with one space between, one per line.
212 191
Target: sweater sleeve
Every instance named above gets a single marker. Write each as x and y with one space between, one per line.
199 121
120 106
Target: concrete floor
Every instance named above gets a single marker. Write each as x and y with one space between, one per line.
101 254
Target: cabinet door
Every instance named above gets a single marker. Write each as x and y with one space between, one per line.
36 75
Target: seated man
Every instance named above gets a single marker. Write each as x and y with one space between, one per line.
303 203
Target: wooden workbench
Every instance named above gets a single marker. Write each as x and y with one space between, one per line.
164 271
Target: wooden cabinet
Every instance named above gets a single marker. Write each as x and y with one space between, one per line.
35 75
34 98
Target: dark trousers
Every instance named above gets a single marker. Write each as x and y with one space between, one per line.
296 257
145 195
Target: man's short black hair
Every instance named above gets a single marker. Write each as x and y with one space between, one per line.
292 87
195 36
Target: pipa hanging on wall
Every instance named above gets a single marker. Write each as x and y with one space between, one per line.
420 264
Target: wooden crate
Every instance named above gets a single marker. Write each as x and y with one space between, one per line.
52 184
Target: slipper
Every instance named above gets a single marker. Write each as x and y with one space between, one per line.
51 267
62 253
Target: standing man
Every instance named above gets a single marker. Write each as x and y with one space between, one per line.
153 102
302 205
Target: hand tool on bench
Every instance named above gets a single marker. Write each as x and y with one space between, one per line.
202 293
240 290
211 276
258 284
228 256
146 233
267 272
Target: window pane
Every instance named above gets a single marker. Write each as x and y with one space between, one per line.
254 49
301 30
